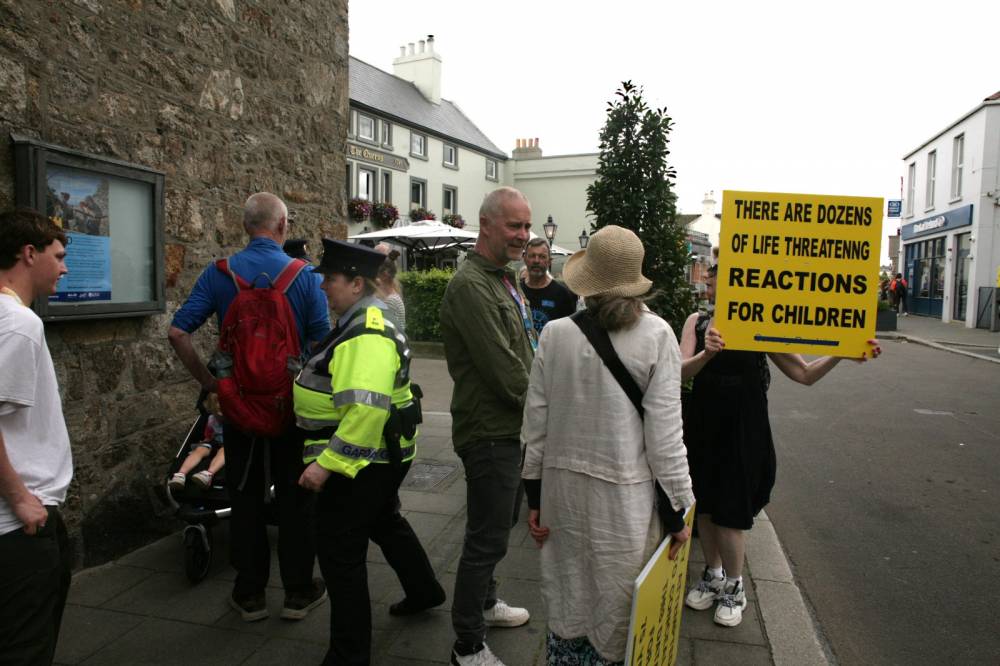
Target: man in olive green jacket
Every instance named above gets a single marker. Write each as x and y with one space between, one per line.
489 342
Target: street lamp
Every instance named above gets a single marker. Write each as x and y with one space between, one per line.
584 239
550 230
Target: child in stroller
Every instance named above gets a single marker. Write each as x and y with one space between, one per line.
211 439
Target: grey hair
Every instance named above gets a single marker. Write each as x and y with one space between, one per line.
262 211
490 209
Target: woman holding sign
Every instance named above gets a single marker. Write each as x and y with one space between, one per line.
730 450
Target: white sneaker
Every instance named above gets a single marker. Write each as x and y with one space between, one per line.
502 615
176 482
202 479
484 657
703 596
732 601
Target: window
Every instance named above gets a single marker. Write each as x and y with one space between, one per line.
366 184
418 145
450 156
911 186
387 186
386 133
418 193
931 178
366 127
348 189
351 127
491 169
449 201
957 160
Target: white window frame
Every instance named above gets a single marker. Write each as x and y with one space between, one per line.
495 170
931 179
386 186
352 124
445 210
423 193
957 164
373 184
911 187
423 138
373 138
453 164
386 133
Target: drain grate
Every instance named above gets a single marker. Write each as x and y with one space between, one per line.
425 475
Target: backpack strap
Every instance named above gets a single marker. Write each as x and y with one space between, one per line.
601 341
288 274
223 265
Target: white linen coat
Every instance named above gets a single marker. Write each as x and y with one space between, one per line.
597 460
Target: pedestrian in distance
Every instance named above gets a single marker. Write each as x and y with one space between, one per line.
489 342
730 450
549 299
36 464
359 416
899 287
255 461
390 291
592 457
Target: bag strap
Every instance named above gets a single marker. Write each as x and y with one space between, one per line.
223 265
601 341
288 274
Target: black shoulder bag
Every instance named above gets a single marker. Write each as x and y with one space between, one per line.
672 521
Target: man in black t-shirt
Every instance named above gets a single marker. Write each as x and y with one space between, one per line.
548 299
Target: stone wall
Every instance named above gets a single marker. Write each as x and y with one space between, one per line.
226 97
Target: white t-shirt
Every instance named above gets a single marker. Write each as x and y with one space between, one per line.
31 418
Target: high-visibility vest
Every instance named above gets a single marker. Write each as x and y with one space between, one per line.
344 392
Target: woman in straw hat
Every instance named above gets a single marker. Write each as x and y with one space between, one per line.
594 516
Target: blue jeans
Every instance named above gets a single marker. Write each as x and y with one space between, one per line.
492 475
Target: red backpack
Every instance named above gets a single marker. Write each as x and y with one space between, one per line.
259 343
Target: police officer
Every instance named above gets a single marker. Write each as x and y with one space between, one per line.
354 403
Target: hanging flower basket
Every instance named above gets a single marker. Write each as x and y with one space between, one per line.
454 219
384 214
359 209
418 214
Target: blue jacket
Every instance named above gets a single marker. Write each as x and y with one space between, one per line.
214 291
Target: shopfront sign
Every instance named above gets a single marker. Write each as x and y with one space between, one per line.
953 219
798 272
895 207
378 157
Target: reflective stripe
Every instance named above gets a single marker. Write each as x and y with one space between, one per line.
313 451
315 424
313 381
362 397
347 450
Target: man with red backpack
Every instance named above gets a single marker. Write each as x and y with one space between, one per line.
269 310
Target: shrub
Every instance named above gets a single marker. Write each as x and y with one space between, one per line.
422 294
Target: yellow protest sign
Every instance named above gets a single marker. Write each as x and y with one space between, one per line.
655 628
798 272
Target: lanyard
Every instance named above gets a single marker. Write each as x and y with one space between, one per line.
529 329
10 292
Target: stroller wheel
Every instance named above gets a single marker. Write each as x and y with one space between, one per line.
197 552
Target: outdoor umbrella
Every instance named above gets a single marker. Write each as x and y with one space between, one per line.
422 236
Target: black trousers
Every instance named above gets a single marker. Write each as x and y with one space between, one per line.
34 581
351 512
253 464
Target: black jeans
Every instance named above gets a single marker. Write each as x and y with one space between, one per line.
34 581
252 465
492 477
349 513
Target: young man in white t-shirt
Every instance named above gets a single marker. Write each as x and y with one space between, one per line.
35 461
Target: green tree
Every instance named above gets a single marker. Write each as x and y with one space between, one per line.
633 190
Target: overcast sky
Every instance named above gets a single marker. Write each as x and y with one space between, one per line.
766 96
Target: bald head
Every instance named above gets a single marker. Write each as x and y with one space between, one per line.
265 214
495 200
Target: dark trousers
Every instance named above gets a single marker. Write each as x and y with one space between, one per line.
492 478
253 464
349 513
34 581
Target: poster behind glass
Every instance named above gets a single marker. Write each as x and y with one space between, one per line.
109 224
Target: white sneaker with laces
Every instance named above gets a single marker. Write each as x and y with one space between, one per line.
177 482
703 596
502 615
731 603
202 479
484 657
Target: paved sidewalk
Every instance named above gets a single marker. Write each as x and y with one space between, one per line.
142 610
953 336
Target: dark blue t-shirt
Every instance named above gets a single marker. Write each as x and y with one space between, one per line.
551 302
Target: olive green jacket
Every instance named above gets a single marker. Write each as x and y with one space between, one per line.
488 350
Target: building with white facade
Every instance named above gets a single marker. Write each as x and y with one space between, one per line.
950 252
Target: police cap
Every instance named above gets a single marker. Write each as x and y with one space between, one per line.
349 259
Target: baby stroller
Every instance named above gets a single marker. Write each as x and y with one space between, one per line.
200 509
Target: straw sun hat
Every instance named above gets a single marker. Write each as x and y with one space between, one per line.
611 265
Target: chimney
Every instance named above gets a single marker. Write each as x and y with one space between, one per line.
527 149
421 67
708 204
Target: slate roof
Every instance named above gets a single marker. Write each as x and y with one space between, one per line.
399 100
